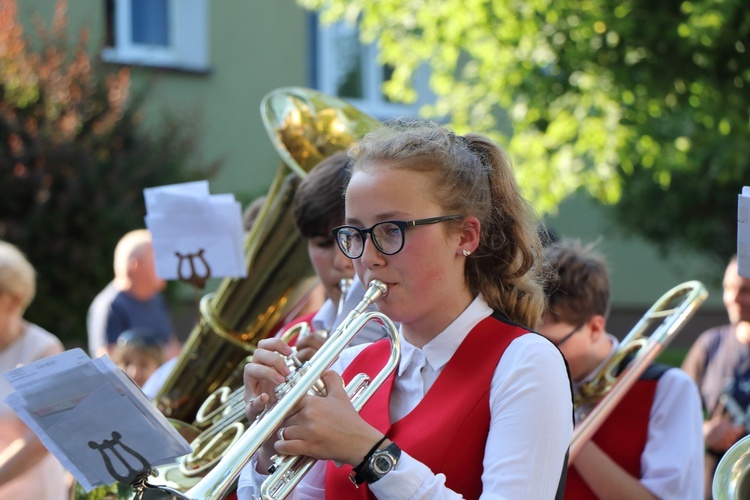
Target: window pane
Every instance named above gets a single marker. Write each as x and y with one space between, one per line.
150 22
109 23
348 64
387 74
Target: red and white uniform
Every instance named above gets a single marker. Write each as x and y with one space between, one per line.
511 444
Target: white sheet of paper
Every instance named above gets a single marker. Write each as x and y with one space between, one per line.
70 401
192 228
157 196
743 232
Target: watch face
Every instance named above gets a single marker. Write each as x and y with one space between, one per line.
382 463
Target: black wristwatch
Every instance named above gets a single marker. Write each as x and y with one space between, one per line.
380 463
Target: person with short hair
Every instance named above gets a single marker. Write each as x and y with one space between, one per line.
139 352
132 299
318 208
650 445
27 469
719 362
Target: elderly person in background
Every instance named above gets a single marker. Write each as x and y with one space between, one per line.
27 470
132 300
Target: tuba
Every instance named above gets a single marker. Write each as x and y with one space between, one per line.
305 127
597 398
287 471
731 480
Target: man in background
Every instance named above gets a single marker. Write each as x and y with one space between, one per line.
719 362
133 299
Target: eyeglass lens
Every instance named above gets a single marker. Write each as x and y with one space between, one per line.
387 236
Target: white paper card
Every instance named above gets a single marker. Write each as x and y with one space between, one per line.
743 232
195 233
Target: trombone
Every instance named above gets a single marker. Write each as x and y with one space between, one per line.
597 398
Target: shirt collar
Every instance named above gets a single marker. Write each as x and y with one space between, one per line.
439 350
590 376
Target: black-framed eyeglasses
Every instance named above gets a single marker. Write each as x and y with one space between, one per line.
388 236
568 335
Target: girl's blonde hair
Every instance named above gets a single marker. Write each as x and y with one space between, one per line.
473 176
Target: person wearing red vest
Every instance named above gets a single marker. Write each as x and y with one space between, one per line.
480 405
651 444
318 208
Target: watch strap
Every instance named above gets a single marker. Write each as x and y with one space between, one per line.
366 471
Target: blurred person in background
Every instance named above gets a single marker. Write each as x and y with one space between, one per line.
27 469
139 352
719 362
132 299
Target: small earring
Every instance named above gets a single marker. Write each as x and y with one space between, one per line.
466 252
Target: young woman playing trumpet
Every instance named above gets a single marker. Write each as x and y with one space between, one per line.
480 405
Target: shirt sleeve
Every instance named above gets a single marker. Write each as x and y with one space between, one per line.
695 361
672 462
531 425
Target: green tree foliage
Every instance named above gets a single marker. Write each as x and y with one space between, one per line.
638 102
75 156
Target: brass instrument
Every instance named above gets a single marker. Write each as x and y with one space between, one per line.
305 127
731 480
305 380
597 398
223 412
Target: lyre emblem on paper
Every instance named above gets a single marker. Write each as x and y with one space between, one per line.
195 278
110 446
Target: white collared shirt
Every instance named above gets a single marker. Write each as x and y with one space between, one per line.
672 461
530 427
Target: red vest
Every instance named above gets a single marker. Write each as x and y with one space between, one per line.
447 430
622 436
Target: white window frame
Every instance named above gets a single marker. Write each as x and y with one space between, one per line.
373 102
188 38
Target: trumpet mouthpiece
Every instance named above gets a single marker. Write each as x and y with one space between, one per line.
378 286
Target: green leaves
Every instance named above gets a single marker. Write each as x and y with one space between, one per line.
586 95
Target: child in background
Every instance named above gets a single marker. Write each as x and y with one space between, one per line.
139 353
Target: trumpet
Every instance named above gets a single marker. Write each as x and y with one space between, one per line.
287 471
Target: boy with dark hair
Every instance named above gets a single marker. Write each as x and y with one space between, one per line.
318 208
651 445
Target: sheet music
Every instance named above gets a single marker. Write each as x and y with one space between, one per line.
93 418
743 232
193 229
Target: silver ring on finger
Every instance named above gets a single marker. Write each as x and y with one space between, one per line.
281 434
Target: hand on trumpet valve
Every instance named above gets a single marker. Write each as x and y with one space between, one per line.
263 374
327 427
